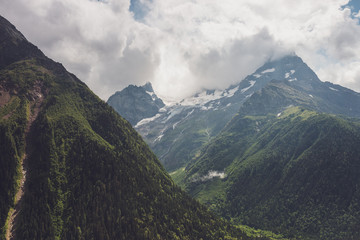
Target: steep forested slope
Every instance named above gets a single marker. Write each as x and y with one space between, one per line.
83 172
284 168
300 176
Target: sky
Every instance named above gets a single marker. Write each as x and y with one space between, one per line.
184 46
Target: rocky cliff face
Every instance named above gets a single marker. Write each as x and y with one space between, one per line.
135 103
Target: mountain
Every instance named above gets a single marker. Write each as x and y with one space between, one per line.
72 168
279 151
178 131
283 164
135 103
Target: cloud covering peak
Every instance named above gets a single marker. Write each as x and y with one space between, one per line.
183 46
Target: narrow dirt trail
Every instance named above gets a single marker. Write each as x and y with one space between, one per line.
34 109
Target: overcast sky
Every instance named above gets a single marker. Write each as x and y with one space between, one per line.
183 46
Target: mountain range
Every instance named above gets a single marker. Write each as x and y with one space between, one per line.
279 151
72 168
177 132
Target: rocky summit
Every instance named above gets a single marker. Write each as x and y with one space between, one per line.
136 103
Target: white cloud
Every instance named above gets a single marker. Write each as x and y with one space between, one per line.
182 46
210 175
237 58
347 74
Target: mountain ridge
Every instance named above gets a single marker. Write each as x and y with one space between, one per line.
260 166
278 155
178 131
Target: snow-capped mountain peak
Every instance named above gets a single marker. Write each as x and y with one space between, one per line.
194 120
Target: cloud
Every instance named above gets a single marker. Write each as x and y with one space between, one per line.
98 41
343 40
220 68
210 175
135 66
183 46
347 74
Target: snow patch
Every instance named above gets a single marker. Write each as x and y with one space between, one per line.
175 124
228 105
268 70
152 95
311 96
147 120
175 111
163 109
187 115
279 114
159 138
231 92
293 79
333 89
288 74
247 88
257 75
205 108
202 98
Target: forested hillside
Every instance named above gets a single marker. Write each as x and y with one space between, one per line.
80 171
282 167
